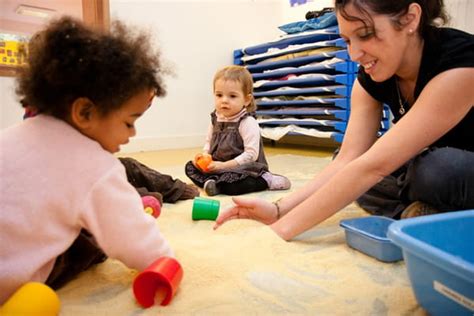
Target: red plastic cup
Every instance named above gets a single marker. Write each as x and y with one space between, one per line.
165 272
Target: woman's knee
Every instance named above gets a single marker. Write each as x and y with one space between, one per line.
436 170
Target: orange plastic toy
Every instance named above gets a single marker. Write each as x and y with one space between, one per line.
203 161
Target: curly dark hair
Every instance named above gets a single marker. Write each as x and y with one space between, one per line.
69 60
433 12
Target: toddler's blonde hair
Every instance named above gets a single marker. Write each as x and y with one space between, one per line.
241 75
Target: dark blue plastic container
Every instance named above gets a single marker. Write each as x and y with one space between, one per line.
439 255
369 235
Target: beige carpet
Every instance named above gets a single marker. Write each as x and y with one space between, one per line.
245 269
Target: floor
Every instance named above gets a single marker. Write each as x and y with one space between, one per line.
172 157
244 268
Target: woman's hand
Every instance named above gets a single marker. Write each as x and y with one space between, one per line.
256 209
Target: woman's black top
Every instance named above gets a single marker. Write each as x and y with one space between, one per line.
447 49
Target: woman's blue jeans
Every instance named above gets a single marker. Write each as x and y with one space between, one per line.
440 177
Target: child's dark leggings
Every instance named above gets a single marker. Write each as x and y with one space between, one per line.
248 184
440 177
82 254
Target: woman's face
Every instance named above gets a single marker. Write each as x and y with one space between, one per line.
379 48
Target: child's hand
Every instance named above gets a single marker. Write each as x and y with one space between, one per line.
202 162
222 165
215 166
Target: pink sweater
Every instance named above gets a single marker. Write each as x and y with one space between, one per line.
55 181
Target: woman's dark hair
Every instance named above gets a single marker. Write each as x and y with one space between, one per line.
433 12
68 60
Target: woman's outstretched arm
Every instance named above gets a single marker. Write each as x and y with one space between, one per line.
443 103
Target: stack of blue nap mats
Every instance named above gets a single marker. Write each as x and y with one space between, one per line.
303 81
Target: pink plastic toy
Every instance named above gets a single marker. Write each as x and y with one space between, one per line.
151 205
161 278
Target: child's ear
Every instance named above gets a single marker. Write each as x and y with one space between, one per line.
82 111
248 99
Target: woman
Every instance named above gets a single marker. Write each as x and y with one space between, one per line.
426 75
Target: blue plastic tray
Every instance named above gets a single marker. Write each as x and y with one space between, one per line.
439 255
369 235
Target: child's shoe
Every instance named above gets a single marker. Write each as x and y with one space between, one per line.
210 187
276 181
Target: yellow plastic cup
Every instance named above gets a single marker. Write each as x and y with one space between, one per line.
33 298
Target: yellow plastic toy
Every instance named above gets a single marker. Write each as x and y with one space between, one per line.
33 298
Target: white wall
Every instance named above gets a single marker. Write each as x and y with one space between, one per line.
462 14
298 13
198 37
10 109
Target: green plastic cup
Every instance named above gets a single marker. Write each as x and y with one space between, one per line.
205 209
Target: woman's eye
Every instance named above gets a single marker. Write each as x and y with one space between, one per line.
366 36
129 125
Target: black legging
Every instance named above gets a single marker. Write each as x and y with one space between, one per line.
246 184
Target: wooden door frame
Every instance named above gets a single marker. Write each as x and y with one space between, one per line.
95 13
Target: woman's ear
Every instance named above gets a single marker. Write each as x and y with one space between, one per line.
82 112
411 20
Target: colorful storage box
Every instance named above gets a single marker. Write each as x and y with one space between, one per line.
369 235
439 255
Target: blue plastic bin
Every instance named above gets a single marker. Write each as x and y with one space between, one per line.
369 235
439 255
